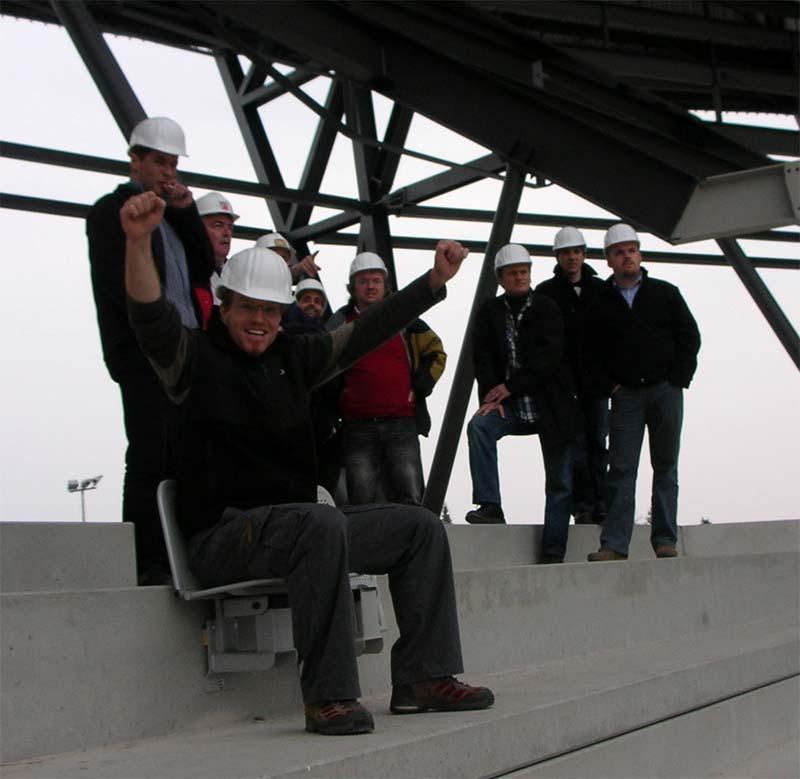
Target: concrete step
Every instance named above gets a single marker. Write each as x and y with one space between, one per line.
84 668
749 736
36 556
39 556
541 712
498 546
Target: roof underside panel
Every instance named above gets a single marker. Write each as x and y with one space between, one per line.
593 96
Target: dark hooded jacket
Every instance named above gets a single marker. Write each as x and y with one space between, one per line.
573 309
107 258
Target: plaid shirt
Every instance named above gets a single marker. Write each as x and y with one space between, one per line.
522 405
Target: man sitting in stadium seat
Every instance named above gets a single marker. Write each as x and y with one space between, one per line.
247 489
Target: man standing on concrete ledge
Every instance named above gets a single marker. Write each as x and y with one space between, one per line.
643 343
573 287
184 259
524 388
247 484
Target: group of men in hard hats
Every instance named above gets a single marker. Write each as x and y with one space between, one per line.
184 326
245 460
551 361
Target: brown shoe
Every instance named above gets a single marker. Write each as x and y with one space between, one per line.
665 550
605 554
338 718
445 694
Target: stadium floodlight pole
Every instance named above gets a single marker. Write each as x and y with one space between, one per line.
73 485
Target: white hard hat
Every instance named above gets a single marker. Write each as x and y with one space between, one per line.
214 203
258 273
367 261
566 238
273 240
511 254
307 284
620 233
161 134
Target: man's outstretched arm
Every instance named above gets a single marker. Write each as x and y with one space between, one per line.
165 343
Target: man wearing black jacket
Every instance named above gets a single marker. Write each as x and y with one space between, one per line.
184 258
643 342
573 287
524 388
247 480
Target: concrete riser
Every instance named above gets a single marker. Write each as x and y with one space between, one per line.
725 739
81 669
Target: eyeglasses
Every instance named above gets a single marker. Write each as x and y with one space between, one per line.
268 309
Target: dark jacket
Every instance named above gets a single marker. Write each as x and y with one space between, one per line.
107 259
247 437
426 358
325 399
544 372
655 340
573 310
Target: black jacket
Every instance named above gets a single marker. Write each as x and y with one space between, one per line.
655 340
544 373
573 309
247 432
107 258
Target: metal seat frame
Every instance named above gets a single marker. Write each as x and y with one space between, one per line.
252 623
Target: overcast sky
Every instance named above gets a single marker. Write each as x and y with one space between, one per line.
61 413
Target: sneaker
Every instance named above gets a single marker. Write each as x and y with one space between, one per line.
445 694
551 559
338 718
605 554
665 550
486 514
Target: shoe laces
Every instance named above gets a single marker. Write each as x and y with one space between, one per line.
333 709
451 687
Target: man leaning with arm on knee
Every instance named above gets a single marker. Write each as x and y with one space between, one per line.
247 490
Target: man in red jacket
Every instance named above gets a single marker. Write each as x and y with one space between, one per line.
383 400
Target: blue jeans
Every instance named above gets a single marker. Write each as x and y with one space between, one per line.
590 458
660 409
483 433
384 451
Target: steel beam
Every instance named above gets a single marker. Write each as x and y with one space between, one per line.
453 422
762 297
258 96
662 73
254 136
101 64
79 210
634 138
653 24
19 151
544 252
317 162
374 234
555 220
447 181
766 140
740 203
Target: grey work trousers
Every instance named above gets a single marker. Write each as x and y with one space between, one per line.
314 547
